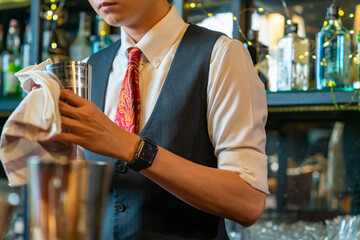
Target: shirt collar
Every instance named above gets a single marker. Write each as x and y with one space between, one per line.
158 40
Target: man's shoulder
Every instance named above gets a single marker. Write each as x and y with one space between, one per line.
195 29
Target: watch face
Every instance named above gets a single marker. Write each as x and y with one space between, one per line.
147 152
144 156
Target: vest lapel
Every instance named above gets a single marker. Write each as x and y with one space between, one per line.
101 63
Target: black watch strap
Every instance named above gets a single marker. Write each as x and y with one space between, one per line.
144 156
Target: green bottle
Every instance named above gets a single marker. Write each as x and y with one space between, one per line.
11 62
12 84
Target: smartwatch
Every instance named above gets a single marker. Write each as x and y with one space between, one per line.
144 155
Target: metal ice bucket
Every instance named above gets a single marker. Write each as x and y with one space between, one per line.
67 200
73 75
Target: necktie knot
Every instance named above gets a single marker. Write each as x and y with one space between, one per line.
134 54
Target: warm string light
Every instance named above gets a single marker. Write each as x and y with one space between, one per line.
52 11
53 7
198 4
52 14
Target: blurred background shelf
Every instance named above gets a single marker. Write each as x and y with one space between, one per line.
298 98
13 4
295 101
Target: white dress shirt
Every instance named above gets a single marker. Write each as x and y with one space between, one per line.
236 101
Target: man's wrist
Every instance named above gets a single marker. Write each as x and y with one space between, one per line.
144 155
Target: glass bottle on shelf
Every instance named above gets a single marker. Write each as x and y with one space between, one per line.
102 39
25 47
332 53
11 62
258 53
80 48
251 45
1 58
47 36
293 61
26 51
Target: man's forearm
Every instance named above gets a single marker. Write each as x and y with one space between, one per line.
219 192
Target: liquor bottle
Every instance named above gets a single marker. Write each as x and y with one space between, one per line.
11 62
258 53
1 58
12 84
102 39
25 47
80 48
26 51
293 61
251 45
46 41
332 53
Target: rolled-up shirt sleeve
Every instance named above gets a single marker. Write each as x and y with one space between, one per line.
237 113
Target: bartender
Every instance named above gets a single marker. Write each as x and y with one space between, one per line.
180 112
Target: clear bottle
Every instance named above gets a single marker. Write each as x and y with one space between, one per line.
25 47
81 47
1 58
11 61
332 66
102 39
46 41
26 51
293 61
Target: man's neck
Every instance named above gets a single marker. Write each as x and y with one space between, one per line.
138 32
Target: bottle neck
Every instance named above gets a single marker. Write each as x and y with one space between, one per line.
84 28
103 28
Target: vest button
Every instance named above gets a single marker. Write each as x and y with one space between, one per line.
120 207
121 168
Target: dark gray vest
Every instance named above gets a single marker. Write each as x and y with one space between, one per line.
139 208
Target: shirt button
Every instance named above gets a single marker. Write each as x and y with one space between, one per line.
156 60
120 207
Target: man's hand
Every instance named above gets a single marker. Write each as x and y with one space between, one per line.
90 128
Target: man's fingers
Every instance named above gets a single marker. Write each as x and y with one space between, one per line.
67 95
67 110
70 124
66 137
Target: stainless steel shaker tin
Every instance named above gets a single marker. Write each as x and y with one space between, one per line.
67 199
73 75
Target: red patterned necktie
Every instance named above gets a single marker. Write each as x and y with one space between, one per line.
128 109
